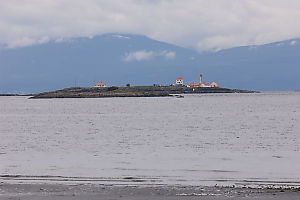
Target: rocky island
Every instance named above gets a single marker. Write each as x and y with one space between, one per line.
134 91
14 95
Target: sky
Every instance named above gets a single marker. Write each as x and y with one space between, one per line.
203 25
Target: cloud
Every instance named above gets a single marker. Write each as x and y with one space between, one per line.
143 55
168 55
138 56
200 24
293 42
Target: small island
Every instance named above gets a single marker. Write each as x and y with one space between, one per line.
100 90
135 91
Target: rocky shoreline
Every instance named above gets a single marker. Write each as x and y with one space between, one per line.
48 191
137 91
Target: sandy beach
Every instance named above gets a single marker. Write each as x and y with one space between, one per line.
46 191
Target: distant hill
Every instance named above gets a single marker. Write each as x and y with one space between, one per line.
120 59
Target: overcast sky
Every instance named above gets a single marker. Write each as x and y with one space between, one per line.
200 24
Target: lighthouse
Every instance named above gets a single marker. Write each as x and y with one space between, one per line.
201 79
202 84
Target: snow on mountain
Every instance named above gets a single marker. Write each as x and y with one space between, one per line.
120 36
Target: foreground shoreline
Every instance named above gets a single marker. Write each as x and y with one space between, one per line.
55 191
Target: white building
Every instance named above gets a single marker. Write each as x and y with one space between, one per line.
179 81
205 85
100 85
214 84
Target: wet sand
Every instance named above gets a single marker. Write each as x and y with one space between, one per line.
114 192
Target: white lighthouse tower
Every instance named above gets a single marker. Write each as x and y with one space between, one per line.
201 79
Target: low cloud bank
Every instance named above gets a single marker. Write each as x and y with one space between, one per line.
199 24
143 55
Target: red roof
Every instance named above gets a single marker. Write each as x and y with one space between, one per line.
194 84
100 84
206 83
179 78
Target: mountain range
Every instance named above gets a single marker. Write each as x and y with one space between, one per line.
118 59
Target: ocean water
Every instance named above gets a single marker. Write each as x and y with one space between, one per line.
202 139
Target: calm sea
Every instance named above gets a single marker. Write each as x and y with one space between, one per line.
202 139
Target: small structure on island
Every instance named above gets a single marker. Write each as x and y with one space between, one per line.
214 84
205 85
179 81
202 84
97 85
201 79
193 85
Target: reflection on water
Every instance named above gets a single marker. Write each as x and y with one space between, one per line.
199 139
